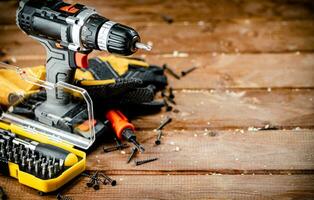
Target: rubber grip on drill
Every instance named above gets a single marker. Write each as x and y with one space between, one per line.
119 122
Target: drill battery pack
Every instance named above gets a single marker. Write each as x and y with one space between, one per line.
43 150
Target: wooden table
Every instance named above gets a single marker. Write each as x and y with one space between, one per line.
244 128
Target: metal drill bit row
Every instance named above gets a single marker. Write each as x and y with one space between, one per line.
29 161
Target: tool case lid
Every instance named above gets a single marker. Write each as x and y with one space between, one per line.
23 91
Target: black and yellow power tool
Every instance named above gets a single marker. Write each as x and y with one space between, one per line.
69 32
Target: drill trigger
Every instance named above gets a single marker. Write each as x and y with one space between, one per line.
81 60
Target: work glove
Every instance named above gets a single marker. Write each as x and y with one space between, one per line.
110 81
121 81
13 87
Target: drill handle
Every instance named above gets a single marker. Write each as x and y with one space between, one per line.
61 63
119 122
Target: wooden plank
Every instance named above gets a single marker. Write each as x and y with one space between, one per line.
237 36
287 70
213 151
241 71
237 109
182 187
186 10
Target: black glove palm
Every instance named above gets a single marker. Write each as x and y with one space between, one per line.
118 80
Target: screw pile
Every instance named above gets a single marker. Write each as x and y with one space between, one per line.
97 178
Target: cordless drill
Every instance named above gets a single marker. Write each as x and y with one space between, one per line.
69 32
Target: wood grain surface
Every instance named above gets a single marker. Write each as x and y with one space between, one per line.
243 126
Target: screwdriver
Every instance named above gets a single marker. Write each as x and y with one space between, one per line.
123 128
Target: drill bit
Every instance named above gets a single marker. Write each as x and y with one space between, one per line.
36 167
143 46
50 171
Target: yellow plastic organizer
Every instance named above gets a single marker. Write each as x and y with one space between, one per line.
30 180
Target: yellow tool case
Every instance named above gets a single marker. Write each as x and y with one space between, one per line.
39 155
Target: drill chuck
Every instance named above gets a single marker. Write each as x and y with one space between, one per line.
77 27
105 35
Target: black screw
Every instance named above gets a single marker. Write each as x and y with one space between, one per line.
103 181
187 71
164 123
115 148
171 72
171 95
167 18
171 100
140 162
92 179
157 142
134 150
111 181
96 184
163 93
168 107
61 197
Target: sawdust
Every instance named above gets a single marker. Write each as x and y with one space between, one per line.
176 54
201 23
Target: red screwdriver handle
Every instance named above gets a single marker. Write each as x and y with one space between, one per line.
119 122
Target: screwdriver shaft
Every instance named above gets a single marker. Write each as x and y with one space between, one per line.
138 146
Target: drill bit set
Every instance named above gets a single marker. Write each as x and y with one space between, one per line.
23 153
36 161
